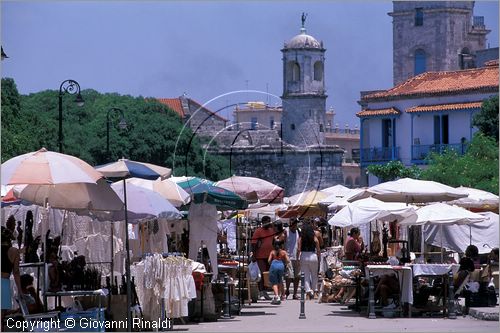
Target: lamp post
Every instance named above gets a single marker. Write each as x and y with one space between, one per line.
122 124
71 87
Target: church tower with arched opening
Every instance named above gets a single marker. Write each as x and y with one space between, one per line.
304 96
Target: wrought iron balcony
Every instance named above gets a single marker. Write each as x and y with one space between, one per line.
379 154
420 152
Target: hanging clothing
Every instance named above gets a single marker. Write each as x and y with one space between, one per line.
203 228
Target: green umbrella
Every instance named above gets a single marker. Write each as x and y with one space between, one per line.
214 195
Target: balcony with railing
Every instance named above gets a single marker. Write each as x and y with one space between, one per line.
378 155
419 153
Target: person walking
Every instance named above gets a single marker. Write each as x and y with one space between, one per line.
292 246
309 254
262 245
278 258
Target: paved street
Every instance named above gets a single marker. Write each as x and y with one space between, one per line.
330 317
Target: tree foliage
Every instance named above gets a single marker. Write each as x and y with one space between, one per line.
487 119
477 168
154 133
393 170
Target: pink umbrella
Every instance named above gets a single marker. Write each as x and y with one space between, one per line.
253 189
45 167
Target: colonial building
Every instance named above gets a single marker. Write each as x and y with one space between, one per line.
435 36
196 116
430 112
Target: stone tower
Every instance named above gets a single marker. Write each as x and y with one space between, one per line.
304 98
434 36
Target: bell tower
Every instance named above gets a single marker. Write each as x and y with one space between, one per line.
304 97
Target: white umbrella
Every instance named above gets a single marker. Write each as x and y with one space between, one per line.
443 214
366 210
457 237
343 197
412 190
166 188
252 188
338 190
476 199
144 203
72 196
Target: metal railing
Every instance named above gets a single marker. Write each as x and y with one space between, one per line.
379 154
421 152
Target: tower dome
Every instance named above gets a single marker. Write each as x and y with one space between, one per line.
303 41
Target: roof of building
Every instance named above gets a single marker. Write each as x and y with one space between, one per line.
378 112
174 104
445 107
484 79
202 108
303 41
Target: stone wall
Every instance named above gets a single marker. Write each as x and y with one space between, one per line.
294 169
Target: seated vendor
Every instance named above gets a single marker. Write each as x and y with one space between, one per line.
387 287
31 299
487 273
354 245
467 265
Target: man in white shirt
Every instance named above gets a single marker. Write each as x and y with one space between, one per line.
292 240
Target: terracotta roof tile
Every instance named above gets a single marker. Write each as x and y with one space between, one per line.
174 104
378 112
444 107
484 79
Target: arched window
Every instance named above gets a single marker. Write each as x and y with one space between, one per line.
318 71
293 71
321 129
420 61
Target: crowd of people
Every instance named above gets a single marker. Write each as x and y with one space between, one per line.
286 253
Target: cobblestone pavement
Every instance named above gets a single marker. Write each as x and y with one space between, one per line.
330 317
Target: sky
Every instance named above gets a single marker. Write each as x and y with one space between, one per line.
214 51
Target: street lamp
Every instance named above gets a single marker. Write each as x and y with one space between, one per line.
122 124
71 87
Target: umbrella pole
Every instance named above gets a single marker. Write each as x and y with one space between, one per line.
442 250
470 234
127 262
112 274
422 244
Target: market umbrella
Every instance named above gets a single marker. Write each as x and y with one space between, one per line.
338 190
369 209
477 200
186 182
166 188
215 195
457 237
412 190
124 168
253 189
304 204
143 203
45 167
72 196
443 214
342 196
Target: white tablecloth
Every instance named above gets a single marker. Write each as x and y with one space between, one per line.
434 269
405 278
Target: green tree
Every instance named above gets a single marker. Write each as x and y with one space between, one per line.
477 168
393 170
154 134
487 119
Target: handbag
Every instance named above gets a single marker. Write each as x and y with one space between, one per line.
289 270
